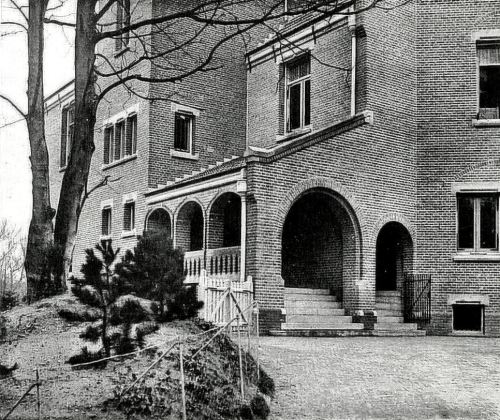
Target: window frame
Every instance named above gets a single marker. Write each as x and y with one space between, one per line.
482 42
129 203
476 223
111 134
107 209
122 20
190 118
301 81
67 134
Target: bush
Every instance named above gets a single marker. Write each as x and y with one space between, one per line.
8 300
246 412
86 356
259 406
266 384
77 316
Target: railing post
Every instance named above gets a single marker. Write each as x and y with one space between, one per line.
242 189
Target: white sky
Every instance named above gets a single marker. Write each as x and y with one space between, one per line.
15 176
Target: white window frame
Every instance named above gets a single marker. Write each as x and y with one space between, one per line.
66 109
193 113
128 199
107 205
476 249
302 81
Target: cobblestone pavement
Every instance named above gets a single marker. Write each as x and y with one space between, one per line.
387 378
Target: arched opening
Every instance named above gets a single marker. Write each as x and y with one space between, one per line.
394 256
189 227
224 228
159 221
319 243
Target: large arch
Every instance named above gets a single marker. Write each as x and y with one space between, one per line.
224 221
321 243
189 227
394 256
159 220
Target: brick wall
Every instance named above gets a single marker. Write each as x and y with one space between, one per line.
451 150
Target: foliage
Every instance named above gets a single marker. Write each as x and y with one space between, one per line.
212 383
78 315
266 384
86 356
259 406
156 270
8 300
101 289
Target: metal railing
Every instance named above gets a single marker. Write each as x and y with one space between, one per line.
417 298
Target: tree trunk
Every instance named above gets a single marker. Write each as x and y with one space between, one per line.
40 230
77 171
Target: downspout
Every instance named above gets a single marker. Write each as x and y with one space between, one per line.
351 23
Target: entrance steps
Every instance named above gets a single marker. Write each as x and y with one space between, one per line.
390 320
316 313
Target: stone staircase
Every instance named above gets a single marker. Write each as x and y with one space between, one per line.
316 313
390 320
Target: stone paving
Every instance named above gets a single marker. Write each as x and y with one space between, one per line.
386 378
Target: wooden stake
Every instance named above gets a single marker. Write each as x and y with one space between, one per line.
38 404
184 415
241 361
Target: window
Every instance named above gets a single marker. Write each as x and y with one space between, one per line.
468 317
120 139
298 93
106 221
67 128
183 132
477 222
489 79
122 21
129 216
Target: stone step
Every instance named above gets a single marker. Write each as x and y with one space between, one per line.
395 326
292 304
388 312
322 326
304 291
310 298
388 299
398 333
387 293
317 319
311 332
311 310
388 306
389 319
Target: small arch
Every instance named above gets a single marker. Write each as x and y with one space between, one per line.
189 226
224 221
394 256
159 220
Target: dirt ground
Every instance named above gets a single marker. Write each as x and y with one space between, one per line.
384 377
38 337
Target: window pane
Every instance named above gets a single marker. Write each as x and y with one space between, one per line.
489 91
182 132
129 216
465 222
106 221
307 102
488 224
299 68
64 134
294 106
118 140
489 53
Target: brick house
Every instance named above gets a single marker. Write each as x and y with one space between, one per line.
349 169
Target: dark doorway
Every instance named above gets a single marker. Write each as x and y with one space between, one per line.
394 255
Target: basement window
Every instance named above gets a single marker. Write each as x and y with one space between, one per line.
468 317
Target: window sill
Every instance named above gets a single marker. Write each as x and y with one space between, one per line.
464 333
184 155
128 233
119 162
485 123
472 257
293 134
105 238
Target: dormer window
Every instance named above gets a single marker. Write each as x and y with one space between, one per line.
298 93
489 79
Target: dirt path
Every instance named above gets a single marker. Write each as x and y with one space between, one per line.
387 378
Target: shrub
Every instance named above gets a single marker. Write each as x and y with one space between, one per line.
246 412
266 384
259 406
77 316
8 300
86 356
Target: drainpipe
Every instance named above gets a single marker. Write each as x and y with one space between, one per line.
351 23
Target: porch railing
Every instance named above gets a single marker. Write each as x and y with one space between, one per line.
222 263
417 298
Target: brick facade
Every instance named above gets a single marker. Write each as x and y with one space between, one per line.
397 159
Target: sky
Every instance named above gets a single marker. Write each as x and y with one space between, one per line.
15 175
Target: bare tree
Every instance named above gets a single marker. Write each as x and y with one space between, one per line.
12 255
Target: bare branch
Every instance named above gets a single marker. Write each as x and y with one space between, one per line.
20 10
14 105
